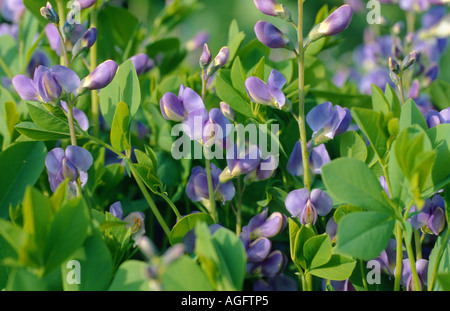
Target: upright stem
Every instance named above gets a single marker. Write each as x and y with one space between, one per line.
73 138
93 64
301 104
418 244
398 257
412 262
63 58
239 208
400 88
149 199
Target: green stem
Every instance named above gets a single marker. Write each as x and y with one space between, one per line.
73 138
398 257
412 262
149 199
301 104
174 208
400 88
5 68
93 64
239 208
418 244
212 201
63 58
361 265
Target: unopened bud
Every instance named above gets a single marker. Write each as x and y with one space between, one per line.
394 66
409 60
49 13
205 58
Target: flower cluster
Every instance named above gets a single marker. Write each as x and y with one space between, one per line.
262 261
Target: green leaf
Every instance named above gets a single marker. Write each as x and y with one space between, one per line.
294 228
439 260
259 70
351 181
368 121
444 281
440 94
6 251
353 146
21 164
185 275
37 212
67 233
304 234
238 76
317 251
338 268
186 224
123 88
93 254
47 121
343 210
235 39
120 136
364 235
22 279
32 131
228 94
411 115
379 102
131 276
393 100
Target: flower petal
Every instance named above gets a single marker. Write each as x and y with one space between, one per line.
296 201
321 201
26 88
66 77
320 116
53 161
79 157
258 91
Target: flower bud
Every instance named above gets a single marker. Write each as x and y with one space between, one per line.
49 13
100 77
142 63
394 66
409 60
84 4
205 58
431 74
334 24
85 42
273 8
272 37
219 61
228 111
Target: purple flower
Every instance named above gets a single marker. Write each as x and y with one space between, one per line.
272 37
219 61
241 160
331 229
258 250
49 13
387 258
142 63
47 84
78 115
263 225
271 266
305 205
422 271
205 58
334 24
318 157
134 220
70 164
432 216
342 286
435 118
38 59
273 8
279 283
267 94
414 90
327 121
84 4
100 77
380 77
177 108
198 41
414 5
85 42
265 170
228 111
9 29
197 187
215 130
12 10
432 16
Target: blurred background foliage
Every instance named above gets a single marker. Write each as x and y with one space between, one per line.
215 16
